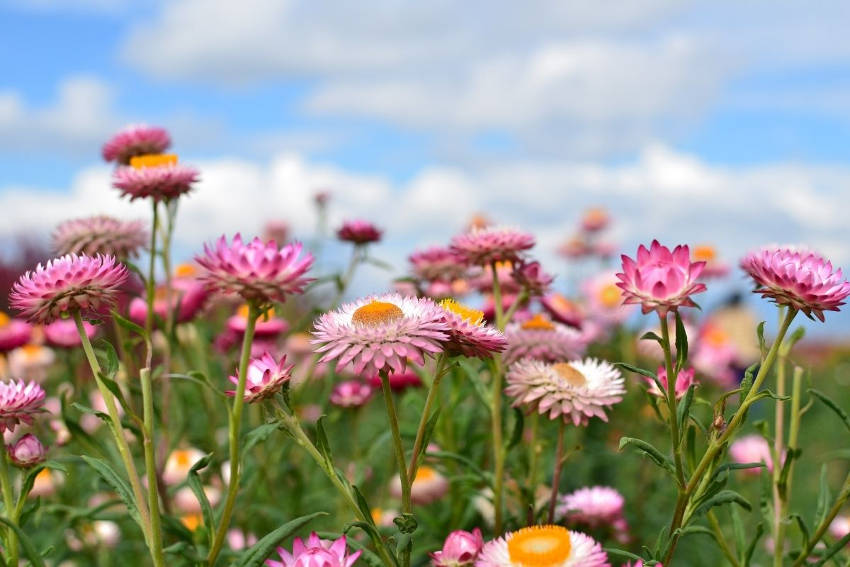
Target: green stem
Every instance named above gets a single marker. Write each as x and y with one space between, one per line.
533 460
496 410
150 466
150 284
235 423
824 525
778 447
520 299
439 370
497 298
556 471
721 539
672 376
392 416
784 491
9 508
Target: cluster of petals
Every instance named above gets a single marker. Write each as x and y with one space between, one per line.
19 402
351 394
315 552
592 506
188 297
256 270
359 232
684 379
468 334
63 333
482 247
751 448
13 332
437 263
562 309
574 391
265 377
66 284
100 234
459 549
160 182
563 548
27 451
136 140
380 333
540 339
531 277
660 279
799 279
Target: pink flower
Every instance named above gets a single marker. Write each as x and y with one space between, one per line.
264 379
751 449
267 325
162 181
683 381
595 219
351 394
468 335
66 284
575 247
541 339
321 198
593 506
481 247
27 451
428 486
277 230
714 266
315 552
399 381
256 271
553 546
100 235
136 140
562 309
803 280
63 333
605 299
359 232
460 548
660 280
188 297
531 277
19 402
437 263
13 332
839 527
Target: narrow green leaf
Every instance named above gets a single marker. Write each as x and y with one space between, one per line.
516 433
832 550
824 497
127 324
322 441
738 530
684 408
831 405
651 336
194 480
117 483
723 497
260 434
748 554
259 552
110 357
362 504
681 343
804 530
26 543
760 335
647 449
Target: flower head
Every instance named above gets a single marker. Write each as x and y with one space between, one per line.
543 546
428 486
100 235
31 362
574 391
159 177
381 333
541 339
660 279
66 284
264 379
351 394
468 335
803 280
751 448
604 298
460 548
188 296
595 219
562 309
399 381
437 263
593 506
63 333
19 402
315 552
13 332
179 463
27 451
531 277
684 380
481 247
255 270
136 140
359 232
714 266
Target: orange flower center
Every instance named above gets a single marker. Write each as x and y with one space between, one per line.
562 302
191 521
377 514
424 473
4 319
265 316
31 351
716 336
540 546
153 160
185 271
377 313
610 296
538 323
569 373
595 215
469 315
704 253
181 457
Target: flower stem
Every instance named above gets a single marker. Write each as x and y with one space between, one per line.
784 491
533 461
496 410
497 298
150 461
397 445
235 423
778 447
426 412
9 508
556 471
672 376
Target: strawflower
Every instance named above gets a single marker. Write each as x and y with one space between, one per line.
136 140
460 548
468 335
19 402
351 394
482 247
265 378
159 177
13 332
359 232
315 552
27 451
541 339
543 546
100 235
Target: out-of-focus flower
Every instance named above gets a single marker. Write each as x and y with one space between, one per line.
715 354
531 277
459 549
650 347
31 362
478 221
238 540
399 381
322 198
98 533
468 335
315 552
159 177
552 546
605 300
803 280
100 235
595 219
266 326
90 422
351 394
592 506
359 232
19 402
714 266
508 285
13 332
562 309
684 379
136 140
264 379
574 391
66 284
381 332
604 249
428 486
63 333
256 271
575 247
839 527
27 451
383 517
437 263
541 339
46 483
521 313
178 464
660 279
481 247
276 230
751 449
187 503
188 298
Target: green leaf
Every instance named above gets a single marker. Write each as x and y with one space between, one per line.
194 480
260 434
832 550
738 530
642 372
127 324
623 553
747 381
681 343
322 442
85 409
26 544
737 466
363 505
831 405
748 554
29 479
651 336
110 357
428 433
696 529
723 497
760 335
118 484
824 497
516 433
790 456
647 449
684 407
259 552
804 530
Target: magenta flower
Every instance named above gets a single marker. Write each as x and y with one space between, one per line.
660 280
468 334
684 379
136 140
159 182
63 333
27 451
381 333
562 309
351 394
19 401
67 284
541 339
13 332
531 277
803 280
481 247
460 548
264 379
399 381
359 232
315 552
188 298
100 235
256 271
437 263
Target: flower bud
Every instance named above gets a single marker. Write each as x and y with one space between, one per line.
27 451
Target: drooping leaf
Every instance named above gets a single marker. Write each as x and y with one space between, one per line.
650 451
194 480
681 343
723 497
845 419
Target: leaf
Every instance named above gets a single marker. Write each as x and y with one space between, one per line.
647 449
194 481
322 442
127 324
760 335
832 550
26 544
824 497
696 529
259 552
85 409
747 382
117 483
516 434
723 497
681 343
428 433
684 408
363 505
737 466
29 479
790 456
650 336
642 372
259 434
622 553
110 356
748 554
804 530
831 405
738 530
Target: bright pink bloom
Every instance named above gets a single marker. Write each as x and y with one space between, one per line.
460 548
751 448
359 232
265 378
315 552
803 280
660 280
683 381
160 182
100 235
482 247
437 263
66 284
27 451
468 334
13 333
63 333
136 140
593 506
19 402
351 394
256 271
399 382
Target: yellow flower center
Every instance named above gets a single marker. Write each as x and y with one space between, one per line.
192 521
610 296
377 514
43 476
181 457
716 336
562 303
185 271
538 323
469 315
4 319
570 373
377 313
540 546
31 351
265 316
153 160
424 473
705 253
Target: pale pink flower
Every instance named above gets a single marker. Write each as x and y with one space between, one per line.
541 339
715 355
803 280
714 266
136 140
268 325
238 540
100 235
839 527
428 486
359 232
265 377
159 182
660 280
179 463
751 448
19 402
459 549
481 247
315 552
437 263
468 334
188 297
351 394
575 247
13 332
31 362
554 546
604 299
63 333
684 379
256 271
592 506
277 230
27 451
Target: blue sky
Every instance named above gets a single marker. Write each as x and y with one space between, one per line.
693 122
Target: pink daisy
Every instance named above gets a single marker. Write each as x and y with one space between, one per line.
660 280
351 394
541 339
468 335
684 379
803 280
315 552
593 506
359 232
66 284
100 235
19 402
460 548
552 546
164 179
13 332
265 377
63 333
481 247
256 271
136 140
27 451
381 333
437 263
